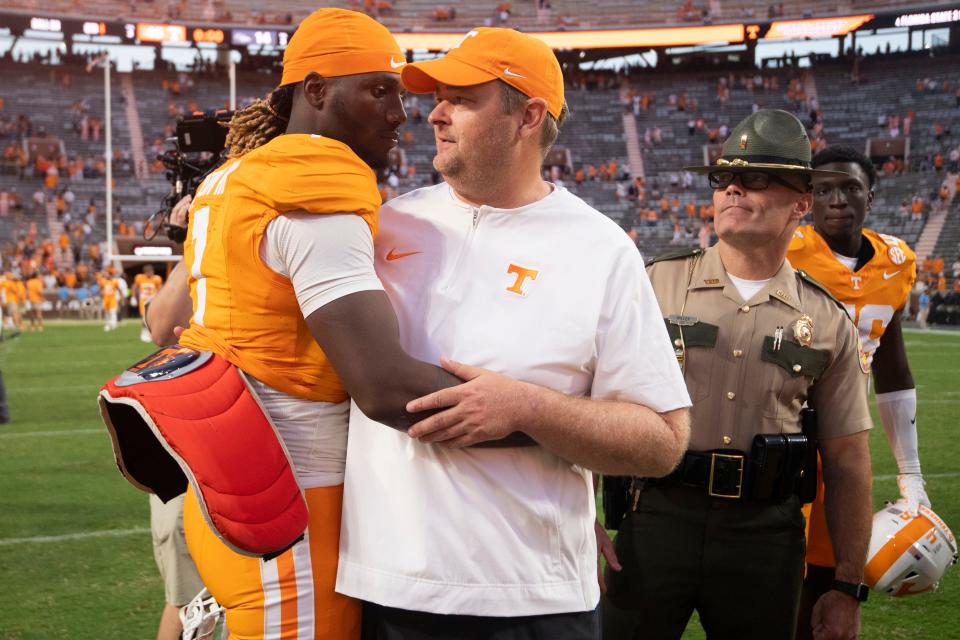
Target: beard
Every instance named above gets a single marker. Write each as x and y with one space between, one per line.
477 164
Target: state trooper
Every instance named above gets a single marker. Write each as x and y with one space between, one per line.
723 533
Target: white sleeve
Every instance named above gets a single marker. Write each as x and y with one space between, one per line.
325 257
635 361
898 413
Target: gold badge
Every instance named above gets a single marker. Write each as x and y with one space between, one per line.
803 330
743 142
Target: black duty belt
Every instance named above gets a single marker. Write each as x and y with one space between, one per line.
721 473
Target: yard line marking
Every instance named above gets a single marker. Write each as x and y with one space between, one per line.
109 533
45 434
93 388
945 474
931 332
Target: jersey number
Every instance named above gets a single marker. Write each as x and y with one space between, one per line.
872 321
198 233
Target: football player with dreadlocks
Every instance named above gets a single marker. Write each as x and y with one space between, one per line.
279 264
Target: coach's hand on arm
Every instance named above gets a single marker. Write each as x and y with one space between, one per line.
170 308
847 481
613 437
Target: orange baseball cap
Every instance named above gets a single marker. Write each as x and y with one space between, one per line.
488 53
340 42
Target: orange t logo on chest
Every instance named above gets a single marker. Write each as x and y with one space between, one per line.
522 275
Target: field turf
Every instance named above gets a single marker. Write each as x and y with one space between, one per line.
75 553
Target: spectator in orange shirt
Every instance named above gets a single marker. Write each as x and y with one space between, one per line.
941 283
578 176
592 172
916 208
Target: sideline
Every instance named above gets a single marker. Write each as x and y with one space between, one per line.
110 533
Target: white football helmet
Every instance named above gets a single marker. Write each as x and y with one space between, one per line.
908 554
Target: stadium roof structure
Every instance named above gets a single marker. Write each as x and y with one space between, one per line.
241 37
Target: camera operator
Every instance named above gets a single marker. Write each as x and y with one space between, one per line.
166 310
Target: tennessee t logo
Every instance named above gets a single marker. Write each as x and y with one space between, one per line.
856 282
522 275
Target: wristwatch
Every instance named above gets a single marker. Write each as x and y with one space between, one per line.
858 591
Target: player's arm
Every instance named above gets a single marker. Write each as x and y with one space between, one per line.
360 336
170 308
897 405
634 423
329 261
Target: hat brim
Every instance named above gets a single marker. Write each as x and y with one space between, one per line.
422 77
763 166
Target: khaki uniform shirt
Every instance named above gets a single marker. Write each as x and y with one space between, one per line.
741 381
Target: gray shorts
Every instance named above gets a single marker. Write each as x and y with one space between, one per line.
181 582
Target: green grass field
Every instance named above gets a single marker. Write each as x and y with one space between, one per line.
75 553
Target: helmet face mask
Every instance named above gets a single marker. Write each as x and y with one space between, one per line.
908 554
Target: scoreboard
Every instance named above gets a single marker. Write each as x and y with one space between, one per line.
641 37
142 32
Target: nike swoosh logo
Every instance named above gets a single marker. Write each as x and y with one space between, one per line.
507 72
887 276
396 65
393 255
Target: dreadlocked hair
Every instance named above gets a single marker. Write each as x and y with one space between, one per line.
261 122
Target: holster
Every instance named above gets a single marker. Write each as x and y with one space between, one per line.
777 464
182 415
616 494
808 481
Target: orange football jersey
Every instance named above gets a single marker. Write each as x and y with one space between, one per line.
109 293
243 310
147 288
872 294
35 290
20 291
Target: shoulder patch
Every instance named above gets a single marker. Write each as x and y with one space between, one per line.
806 277
689 252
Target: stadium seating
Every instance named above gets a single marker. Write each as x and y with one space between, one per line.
594 135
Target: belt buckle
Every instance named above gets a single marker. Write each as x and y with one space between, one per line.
713 464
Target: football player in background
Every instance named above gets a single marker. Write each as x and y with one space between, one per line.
34 286
145 287
872 274
112 290
15 294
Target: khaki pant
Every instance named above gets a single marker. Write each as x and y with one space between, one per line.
739 565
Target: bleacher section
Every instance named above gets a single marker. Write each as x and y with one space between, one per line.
594 136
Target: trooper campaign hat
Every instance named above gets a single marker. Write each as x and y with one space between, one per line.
769 140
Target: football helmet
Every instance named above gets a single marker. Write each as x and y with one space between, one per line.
908 554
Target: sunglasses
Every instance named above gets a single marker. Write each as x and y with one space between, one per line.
750 180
